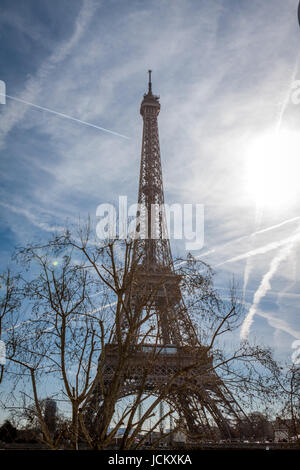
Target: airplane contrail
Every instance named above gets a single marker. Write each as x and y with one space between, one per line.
245 237
264 287
281 224
65 116
287 96
257 251
263 249
249 261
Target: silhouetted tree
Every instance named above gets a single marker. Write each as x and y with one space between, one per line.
10 302
8 432
76 290
289 386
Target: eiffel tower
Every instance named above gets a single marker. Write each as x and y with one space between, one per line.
200 397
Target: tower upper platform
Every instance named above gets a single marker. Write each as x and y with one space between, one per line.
150 101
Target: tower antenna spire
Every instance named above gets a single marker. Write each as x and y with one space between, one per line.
149 83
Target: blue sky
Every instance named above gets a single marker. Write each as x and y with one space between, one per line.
224 71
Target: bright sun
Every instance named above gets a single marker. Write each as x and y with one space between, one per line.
273 169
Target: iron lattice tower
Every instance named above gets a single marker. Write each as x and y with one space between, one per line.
154 250
202 397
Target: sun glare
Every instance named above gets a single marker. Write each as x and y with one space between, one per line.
273 169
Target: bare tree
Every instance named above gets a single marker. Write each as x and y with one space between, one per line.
289 386
84 338
10 302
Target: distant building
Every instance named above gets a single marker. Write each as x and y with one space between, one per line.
50 414
284 430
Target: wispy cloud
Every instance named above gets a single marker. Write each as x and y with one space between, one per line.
264 249
249 261
287 95
33 219
265 284
13 114
280 324
236 241
219 88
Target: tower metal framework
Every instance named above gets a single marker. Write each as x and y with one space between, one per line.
200 397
